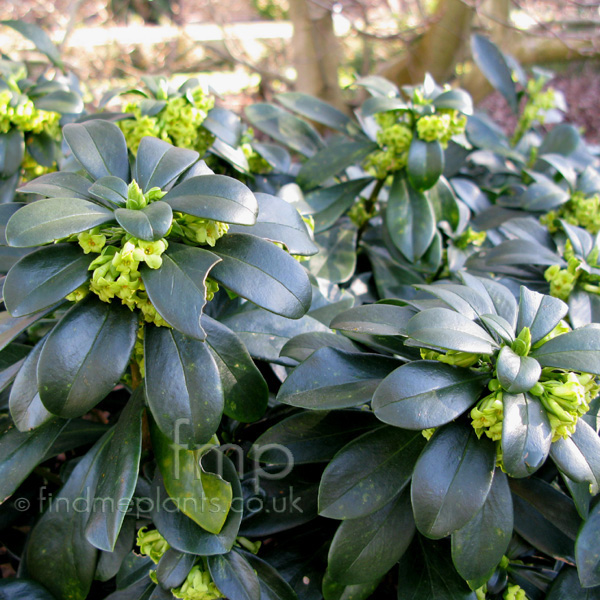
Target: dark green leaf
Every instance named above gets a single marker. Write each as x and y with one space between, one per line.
586 550
409 219
22 452
272 585
340 154
578 456
495 69
183 533
562 139
50 219
245 391
366 548
264 274
425 164
520 252
455 100
332 378
12 148
336 259
577 350
478 547
110 190
425 394
11 327
183 387
109 563
426 573
368 472
444 328
11 361
279 221
302 346
234 576
383 103
158 163
465 300
215 197
39 37
22 589
59 185
451 480
332 590
526 434
58 553
317 110
61 101
224 124
285 128
310 436
545 517
173 568
44 277
150 223
178 288
330 203
516 373
43 148
568 587
26 408
100 148
118 469
279 158
74 373
374 319
540 313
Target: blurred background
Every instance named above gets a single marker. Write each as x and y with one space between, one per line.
247 50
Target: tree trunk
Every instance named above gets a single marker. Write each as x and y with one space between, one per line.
316 52
438 50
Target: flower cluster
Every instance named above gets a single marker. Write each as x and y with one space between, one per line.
115 272
442 126
256 163
152 544
563 281
580 210
538 103
20 112
179 122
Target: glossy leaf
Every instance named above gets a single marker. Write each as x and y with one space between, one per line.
183 388
366 548
516 373
425 394
39 37
61 184
374 319
203 496
26 408
586 550
224 124
540 313
478 547
58 553
22 452
178 288
61 101
118 473
336 259
44 277
332 378
495 69
23 589
285 128
467 301
51 219
455 100
303 345
100 148
12 148
279 221
409 219
244 389
234 576
264 274
447 329
111 189
73 381
158 163
173 568
272 585
567 586
577 350
578 456
214 197
526 434
150 223
310 436
425 164
451 480
368 472
332 590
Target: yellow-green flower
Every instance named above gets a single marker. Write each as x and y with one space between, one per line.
152 544
197 586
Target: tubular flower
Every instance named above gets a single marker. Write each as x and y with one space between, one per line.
514 592
197 586
580 210
152 544
487 415
451 357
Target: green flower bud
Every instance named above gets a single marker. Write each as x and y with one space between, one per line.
152 544
522 345
197 586
514 592
79 294
427 433
488 414
135 197
460 359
